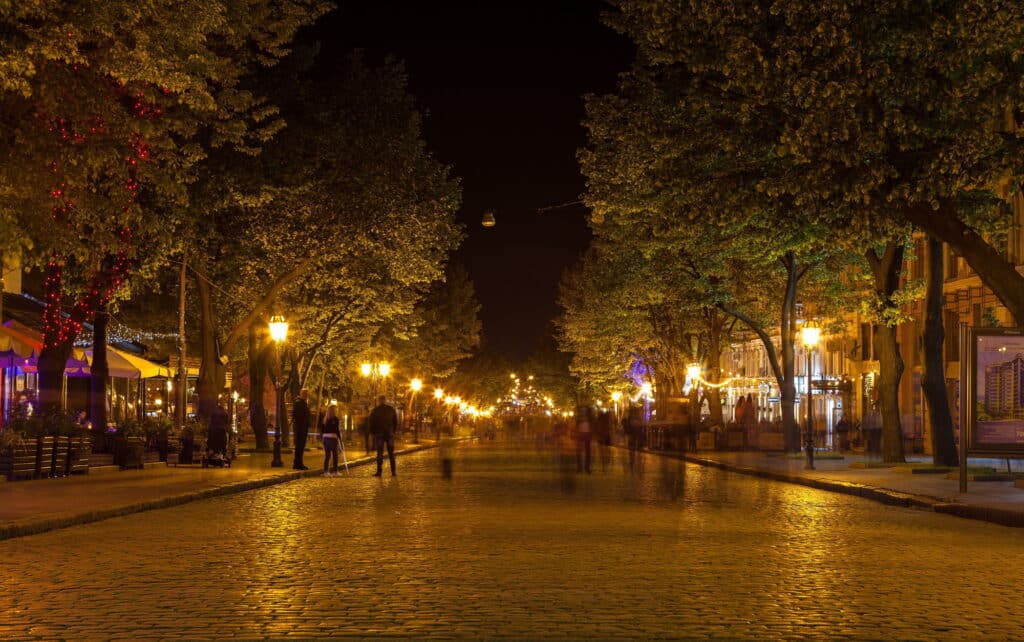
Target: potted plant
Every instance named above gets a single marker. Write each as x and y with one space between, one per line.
129 445
193 439
37 431
160 431
17 456
75 442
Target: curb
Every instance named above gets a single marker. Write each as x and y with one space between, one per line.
893 498
10 531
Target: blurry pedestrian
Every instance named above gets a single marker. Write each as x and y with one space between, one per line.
383 422
447 453
300 428
749 423
633 426
603 434
843 432
584 434
331 438
364 430
872 428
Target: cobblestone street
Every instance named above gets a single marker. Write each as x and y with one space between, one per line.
512 547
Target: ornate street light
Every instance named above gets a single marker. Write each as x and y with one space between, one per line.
279 333
810 333
375 371
488 220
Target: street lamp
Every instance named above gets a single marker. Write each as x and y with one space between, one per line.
278 332
810 333
616 397
414 386
374 370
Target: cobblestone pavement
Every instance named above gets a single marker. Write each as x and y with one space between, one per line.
512 547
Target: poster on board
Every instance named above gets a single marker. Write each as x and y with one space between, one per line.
996 386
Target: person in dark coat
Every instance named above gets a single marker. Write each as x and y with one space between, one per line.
300 427
217 435
383 421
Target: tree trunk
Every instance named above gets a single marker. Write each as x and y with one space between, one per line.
886 271
934 380
991 265
784 369
59 335
257 385
181 392
211 370
715 324
787 335
100 371
52 361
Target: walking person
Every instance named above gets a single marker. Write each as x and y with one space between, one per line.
633 426
383 421
603 433
300 427
584 435
331 438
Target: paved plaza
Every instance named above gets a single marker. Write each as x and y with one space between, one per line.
518 546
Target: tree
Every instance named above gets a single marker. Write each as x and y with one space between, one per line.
106 109
443 329
674 172
344 220
871 117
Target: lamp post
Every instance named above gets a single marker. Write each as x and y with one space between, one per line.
376 371
438 415
616 397
810 333
414 386
278 332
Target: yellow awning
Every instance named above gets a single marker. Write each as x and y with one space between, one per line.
18 343
127 366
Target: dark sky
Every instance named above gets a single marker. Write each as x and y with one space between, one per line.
501 84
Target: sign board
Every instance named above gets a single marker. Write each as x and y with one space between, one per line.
991 394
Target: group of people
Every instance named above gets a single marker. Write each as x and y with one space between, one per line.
588 426
382 423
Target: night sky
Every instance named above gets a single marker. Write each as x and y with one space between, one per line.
501 85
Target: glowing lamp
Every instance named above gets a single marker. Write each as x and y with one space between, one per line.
810 333
416 385
278 328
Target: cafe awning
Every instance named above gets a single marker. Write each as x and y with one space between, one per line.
17 346
123 364
21 348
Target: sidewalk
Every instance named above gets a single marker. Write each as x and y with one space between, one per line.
1000 502
36 506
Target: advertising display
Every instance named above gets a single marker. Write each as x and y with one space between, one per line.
998 395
